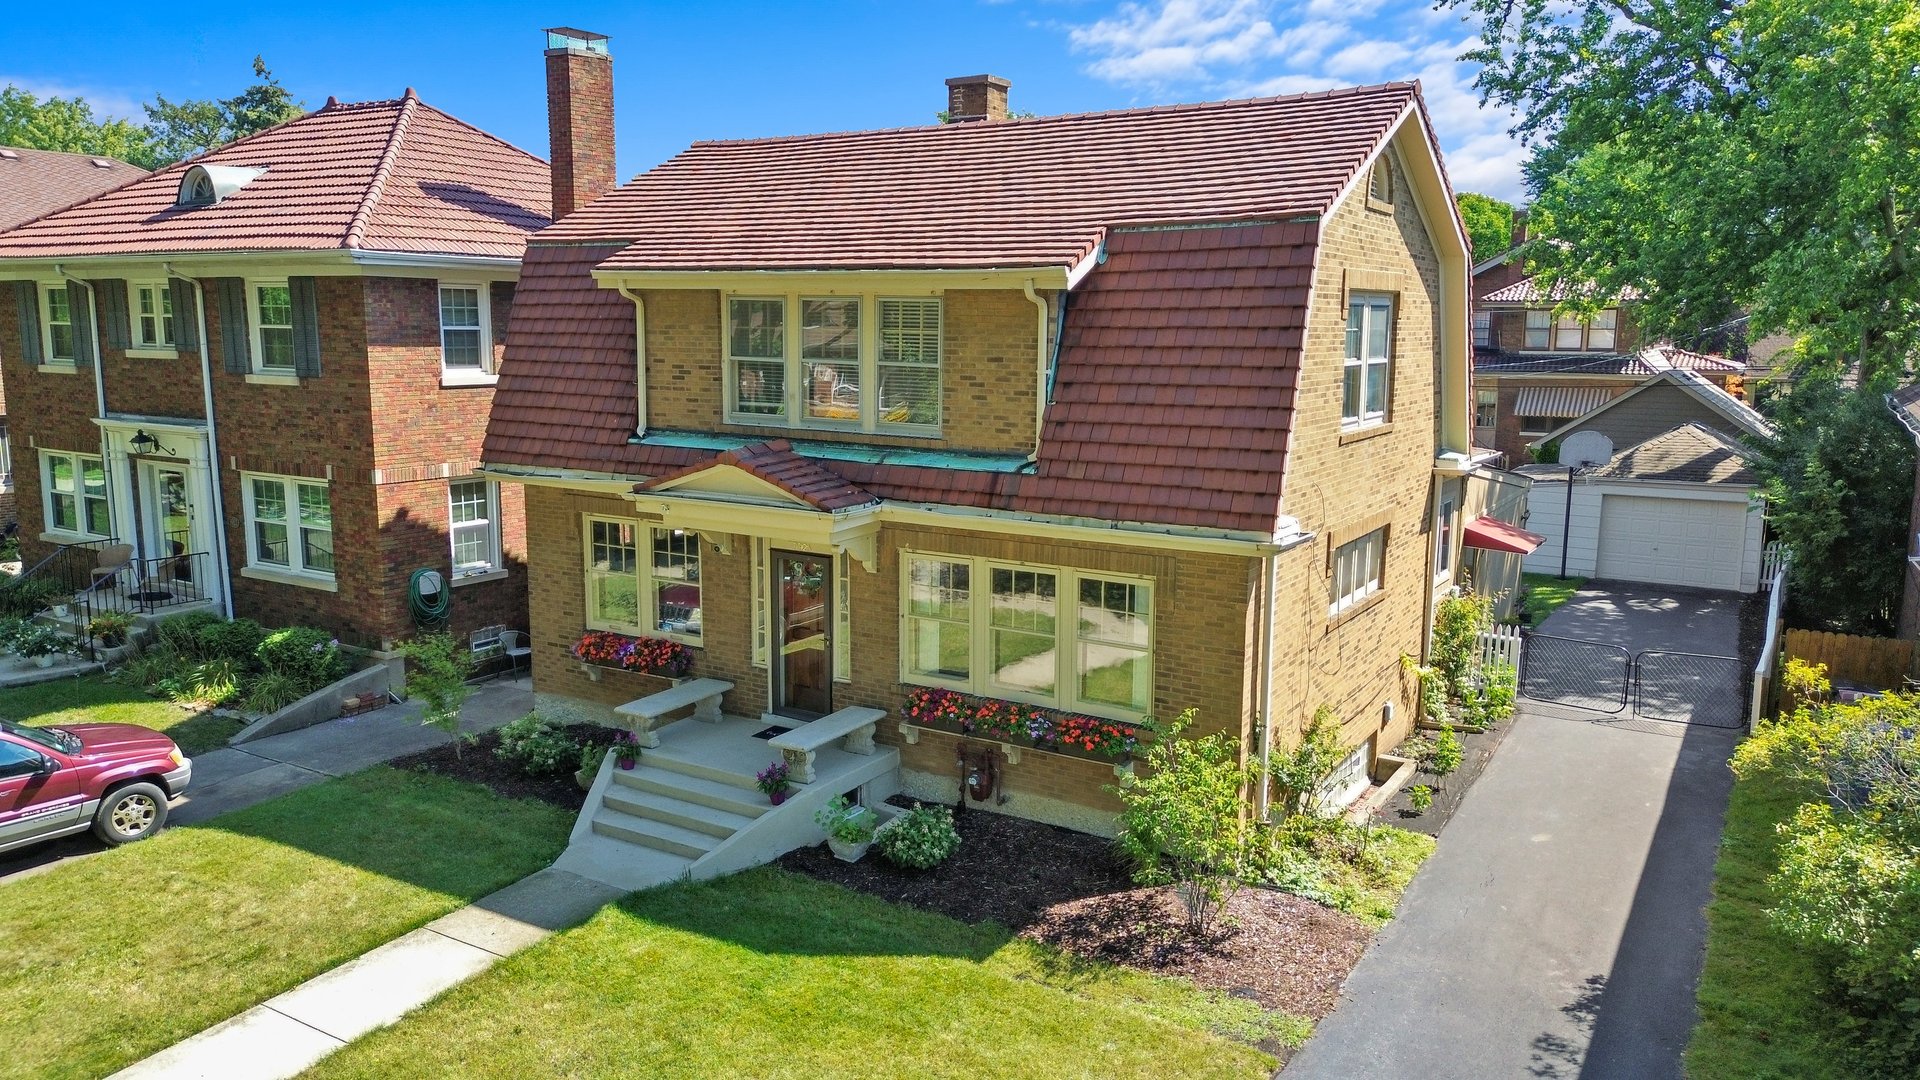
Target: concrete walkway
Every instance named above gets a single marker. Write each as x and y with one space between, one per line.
1558 930
233 777
287 1034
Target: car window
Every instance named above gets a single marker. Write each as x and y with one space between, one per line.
49 738
17 760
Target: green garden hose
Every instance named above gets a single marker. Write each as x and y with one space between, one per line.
429 597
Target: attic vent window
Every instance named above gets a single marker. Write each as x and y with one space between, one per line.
1380 182
205 185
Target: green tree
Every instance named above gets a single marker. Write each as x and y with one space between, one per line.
1183 819
69 124
441 665
181 129
1489 223
1741 154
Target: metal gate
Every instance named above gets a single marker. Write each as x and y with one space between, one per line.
1658 684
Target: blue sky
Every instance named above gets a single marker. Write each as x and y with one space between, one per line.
736 69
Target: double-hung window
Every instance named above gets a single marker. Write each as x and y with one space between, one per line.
289 524
1600 331
464 348
1049 636
473 526
1368 365
1568 333
1483 328
1486 408
865 363
1356 570
1443 532
152 315
272 327
660 595
76 494
1539 323
56 315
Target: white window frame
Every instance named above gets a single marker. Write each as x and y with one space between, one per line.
258 328
1446 524
870 364
455 373
1490 400
47 357
646 585
77 462
1372 368
488 525
166 329
1359 570
1483 328
1539 329
1067 635
296 563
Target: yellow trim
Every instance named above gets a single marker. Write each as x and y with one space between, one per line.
813 281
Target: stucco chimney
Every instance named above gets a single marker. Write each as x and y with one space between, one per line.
976 97
579 117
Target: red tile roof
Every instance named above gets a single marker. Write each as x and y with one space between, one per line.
397 176
777 464
1036 192
37 182
1528 291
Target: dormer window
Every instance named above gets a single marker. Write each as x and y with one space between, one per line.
196 189
205 185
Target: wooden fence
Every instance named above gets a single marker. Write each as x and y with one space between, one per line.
1500 643
1881 663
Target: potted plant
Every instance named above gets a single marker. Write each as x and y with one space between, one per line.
590 757
774 782
110 628
849 828
40 644
626 749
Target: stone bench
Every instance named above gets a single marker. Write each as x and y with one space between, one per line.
853 725
646 713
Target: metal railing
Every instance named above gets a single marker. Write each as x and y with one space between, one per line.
57 578
144 586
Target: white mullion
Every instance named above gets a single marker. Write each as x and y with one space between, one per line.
791 331
869 364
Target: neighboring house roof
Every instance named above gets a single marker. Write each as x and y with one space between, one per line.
775 463
1555 402
38 182
389 176
1173 392
1738 414
1649 361
1528 291
1905 403
1691 453
1032 192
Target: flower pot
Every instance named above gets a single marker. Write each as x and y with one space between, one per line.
777 797
626 761
847 852
585 778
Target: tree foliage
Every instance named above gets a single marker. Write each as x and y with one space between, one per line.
1489 224
1183 820
69 124
440 667
1838 474
1744 154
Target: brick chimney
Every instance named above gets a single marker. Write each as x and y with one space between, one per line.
1519 226
976 97
579 117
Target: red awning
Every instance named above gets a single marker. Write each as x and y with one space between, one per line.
1492 534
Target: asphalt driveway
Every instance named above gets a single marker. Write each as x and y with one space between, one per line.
1558 930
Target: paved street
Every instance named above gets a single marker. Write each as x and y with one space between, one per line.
1558 930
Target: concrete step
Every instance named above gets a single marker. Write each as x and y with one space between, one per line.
674 811
730 798
658 835
663 759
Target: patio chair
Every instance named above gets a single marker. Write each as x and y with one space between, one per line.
510 644
112 560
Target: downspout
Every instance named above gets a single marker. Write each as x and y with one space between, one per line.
1040 367
1270 572
1566 525
213 443
639 361
99 365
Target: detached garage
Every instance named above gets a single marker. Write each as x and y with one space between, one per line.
1677 509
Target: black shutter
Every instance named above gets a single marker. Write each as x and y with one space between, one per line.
235 341
82 313
306 326
186 323
114 311
28 295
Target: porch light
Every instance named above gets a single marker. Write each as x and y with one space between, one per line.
144 443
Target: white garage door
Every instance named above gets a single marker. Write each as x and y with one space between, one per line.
1672 541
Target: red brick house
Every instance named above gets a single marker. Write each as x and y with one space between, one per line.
34 183
1039 412
269 369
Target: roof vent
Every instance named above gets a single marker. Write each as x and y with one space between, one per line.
205 185
102 163
10 155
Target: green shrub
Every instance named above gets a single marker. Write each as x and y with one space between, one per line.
1493 701
310 657
441 664
10 631
210 682
152 665
271 691
182 632
1446 754
1299 773
1421 796
537 747
919 839
1181 819
229 640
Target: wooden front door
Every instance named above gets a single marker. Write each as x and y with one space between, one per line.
803 631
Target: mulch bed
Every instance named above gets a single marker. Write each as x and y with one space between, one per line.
1475 751
1277 949
476 762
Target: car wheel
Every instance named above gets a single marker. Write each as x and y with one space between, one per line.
130 813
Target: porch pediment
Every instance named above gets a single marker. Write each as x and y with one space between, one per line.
767 490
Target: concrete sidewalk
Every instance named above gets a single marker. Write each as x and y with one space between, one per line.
287 1034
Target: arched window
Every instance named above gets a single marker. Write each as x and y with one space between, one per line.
196 188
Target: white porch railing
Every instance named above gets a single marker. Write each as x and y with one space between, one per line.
1500 643
1770 649
1771 563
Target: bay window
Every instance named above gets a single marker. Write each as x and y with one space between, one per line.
861 363
1049 636
660 595
75 490
289 524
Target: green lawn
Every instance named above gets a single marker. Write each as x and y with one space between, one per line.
1762 1009
111 958
97 699
766 974
1545 593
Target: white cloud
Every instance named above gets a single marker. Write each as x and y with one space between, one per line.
105 103
1173 49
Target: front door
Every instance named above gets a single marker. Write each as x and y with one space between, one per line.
802 627
166 510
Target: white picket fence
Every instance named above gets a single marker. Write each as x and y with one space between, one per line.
1771 563
1500 643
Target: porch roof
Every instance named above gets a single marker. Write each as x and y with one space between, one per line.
775 463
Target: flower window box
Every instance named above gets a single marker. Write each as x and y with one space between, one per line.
644 655
1020 724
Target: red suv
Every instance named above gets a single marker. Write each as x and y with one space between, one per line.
117 778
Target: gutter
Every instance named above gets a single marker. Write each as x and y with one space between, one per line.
639 361
213 443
